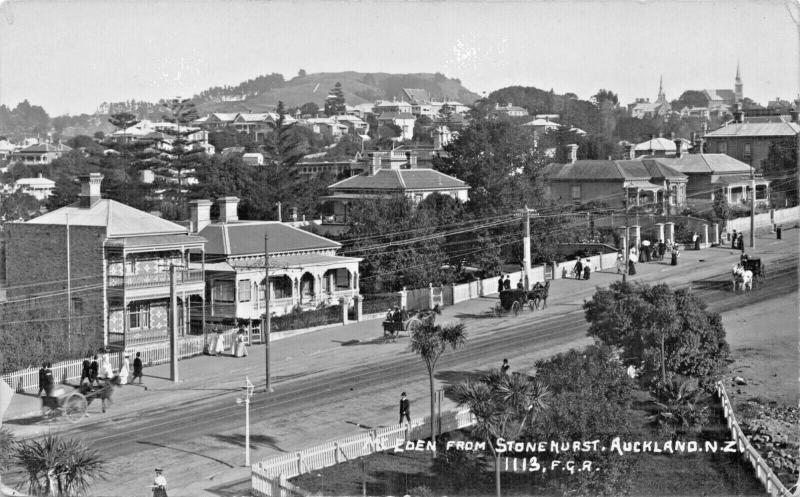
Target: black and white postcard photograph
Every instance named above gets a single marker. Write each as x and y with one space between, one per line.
400 248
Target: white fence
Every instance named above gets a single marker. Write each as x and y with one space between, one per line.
775 216
771 483
267 475
27 380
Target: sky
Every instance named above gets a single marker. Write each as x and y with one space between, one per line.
71 55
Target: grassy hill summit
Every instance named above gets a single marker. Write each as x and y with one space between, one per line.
263 93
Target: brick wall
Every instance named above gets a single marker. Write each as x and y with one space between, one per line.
36 265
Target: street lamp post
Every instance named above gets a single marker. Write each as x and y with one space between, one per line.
248 392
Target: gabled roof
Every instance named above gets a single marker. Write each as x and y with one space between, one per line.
400 180
627 170
223 116
242 238
119 219
660 144
417 95
756 129
705 163
40 182
542 122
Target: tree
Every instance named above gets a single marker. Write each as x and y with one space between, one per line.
7 444
59 466
184 153
301 73
430 341
123 121
502 404
781 167
664 333
721 208
309 109
18 205
335 103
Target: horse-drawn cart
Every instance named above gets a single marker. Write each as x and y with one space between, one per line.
514 300
753 264
401 321
73 404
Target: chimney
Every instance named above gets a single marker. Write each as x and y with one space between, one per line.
630 151
793 113
738 115
227 209
375 165
572 153
200 214
90 189
678 145
672 136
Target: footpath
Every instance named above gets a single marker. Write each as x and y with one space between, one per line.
301 355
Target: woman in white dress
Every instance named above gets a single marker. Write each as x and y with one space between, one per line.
220 346
125 370
106 371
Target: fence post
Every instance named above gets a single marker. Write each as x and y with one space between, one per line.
430 295
359 307
336 452
716 233
299 463
403 298
344 303
705 235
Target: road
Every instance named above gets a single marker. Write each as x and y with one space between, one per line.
208 431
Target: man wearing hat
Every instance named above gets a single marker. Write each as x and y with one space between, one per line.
159 484
405 408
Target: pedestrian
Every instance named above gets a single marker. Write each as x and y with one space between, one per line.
507 283
138 368
86 370
405 408
505 367
586 270
500 284
106 371
219 348
42 379
94 369
577 269
520 286
125 370
620 262
734 239
49 382
741 241
696 240
631 267
662 248
646 251
159 484
240 349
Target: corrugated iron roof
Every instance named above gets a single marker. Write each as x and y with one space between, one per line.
247 238
400 180
705 163
756 129
119 219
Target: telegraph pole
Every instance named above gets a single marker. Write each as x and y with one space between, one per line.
267 316
526 249
752 209
173 328
69 292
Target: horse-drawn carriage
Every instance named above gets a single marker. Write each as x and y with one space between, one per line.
400 320
748 272
73 404
515 299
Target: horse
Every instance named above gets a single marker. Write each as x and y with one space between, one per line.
742 277
102 392
539 294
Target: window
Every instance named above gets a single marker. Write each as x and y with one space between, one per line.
281 287
244 291
222 291
747 150
576 193
342 279
139 316
723 147
77 306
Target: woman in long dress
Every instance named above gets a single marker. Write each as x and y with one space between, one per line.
219 348
106 371
125 370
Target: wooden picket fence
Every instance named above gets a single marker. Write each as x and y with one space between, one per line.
27 380
771 482
268 477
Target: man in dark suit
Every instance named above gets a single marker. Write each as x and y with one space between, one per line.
507 283
94 368
86 370
405 408
42 379
500 284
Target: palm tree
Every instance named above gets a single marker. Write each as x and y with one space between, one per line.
7 443
59 466
501 405
430 341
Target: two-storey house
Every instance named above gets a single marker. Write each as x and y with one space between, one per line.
304 270
40 153
102 260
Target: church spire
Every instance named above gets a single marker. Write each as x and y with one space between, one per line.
661 96
738 88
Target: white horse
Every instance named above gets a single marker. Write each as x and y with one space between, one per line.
742 277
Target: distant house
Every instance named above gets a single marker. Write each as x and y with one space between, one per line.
508 110
384 182
161 135
40 188
403 120
330 127
642 108
395 106
623 183
304 270
253 159
41 153
749 142
6 149
661 147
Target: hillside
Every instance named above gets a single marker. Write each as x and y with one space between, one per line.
263 93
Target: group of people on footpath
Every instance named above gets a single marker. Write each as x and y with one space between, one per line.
737 240
96 369
581 270
504 283
216 344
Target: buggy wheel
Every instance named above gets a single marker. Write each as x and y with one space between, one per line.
75 407
515 307
47 412
413 325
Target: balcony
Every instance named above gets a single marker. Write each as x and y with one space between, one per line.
156 285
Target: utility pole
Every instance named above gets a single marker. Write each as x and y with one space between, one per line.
526 249
173 325
69 292
280 217
752 209
267 317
